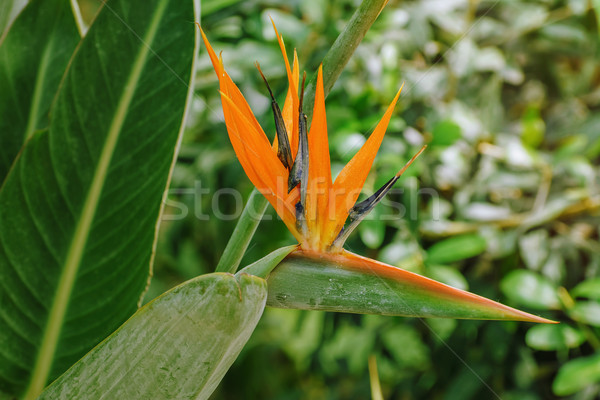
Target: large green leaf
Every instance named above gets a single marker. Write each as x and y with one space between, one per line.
33 58
350 283
179 346
8 11
79 208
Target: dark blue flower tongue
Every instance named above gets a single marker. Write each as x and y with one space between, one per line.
299 172
363 208
284 149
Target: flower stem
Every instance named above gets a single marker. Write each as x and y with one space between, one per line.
342 49
243 232
335 60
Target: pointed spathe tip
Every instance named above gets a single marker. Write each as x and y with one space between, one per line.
540 320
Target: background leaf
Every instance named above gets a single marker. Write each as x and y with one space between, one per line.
445 133
587 312
455 249
554 337
589 289
448 275
576 375
372 229
33 58
78 211
179 346
596 6
530 289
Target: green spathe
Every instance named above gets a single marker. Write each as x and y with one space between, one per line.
349 283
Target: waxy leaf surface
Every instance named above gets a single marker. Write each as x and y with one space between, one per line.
79 209
33 57
178 346
350 283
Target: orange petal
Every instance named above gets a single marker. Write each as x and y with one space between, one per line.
240 147
257 149
213 57
258 160
319 171
290 117
248 140
290 113
287 111
228 86
351 179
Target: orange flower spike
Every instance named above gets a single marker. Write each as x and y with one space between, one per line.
257 148
293 93
324 206
242 151
248 139
319 172
263 161
351 179
306 212
252 147
226 84
288 113
239 147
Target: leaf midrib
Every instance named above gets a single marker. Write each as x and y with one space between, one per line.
36 99
60 303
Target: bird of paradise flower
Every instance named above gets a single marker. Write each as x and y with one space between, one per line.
294 175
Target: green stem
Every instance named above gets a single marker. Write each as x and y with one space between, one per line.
333 64
243 232
344 46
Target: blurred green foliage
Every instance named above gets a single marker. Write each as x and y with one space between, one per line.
505 201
